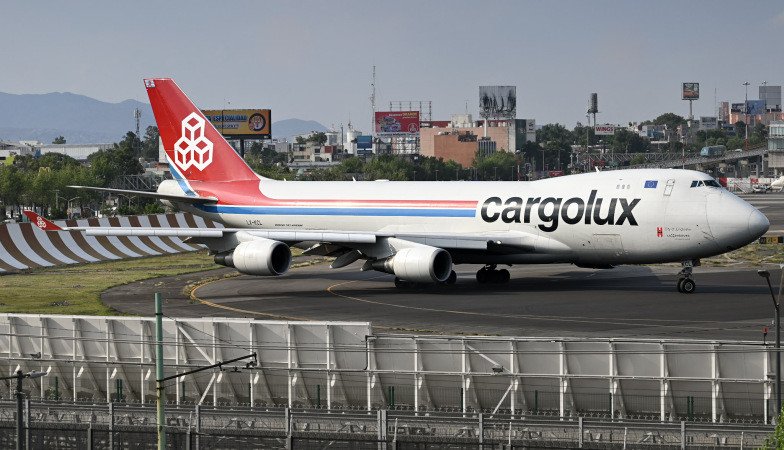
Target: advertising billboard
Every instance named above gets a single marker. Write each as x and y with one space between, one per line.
498 102
364 142
396 123
755 107
241 123
709 123
691 91
738 107
604 130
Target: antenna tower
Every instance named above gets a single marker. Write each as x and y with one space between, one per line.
137 114
373 104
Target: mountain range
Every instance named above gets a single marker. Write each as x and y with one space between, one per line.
84 120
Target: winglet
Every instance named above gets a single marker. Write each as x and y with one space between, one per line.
40 222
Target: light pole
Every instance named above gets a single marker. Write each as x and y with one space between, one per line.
765 274
20 439
746 110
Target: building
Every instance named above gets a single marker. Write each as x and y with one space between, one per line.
460 138
79 152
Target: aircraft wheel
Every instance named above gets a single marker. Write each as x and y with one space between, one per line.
503 276
400 283
482 276
687 286
452 278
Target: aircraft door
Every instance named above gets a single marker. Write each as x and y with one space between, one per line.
668 188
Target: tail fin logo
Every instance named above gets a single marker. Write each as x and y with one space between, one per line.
41 223
193 148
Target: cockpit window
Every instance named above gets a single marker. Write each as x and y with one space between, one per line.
699 183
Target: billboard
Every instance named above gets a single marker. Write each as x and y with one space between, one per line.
604 130
709 123
594 106
738 107
691 91
396 123
364 142
241 123
755 107
498 102
772 96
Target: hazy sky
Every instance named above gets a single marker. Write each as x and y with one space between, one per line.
313 60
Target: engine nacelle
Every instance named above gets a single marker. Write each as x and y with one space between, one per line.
258 257
421 264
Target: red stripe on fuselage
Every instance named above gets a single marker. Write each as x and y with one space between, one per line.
248 193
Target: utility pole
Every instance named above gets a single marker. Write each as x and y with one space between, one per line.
746 110
159 372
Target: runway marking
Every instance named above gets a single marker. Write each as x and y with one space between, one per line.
246 311
575 319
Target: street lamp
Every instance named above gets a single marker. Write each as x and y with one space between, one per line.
20 441
746 110
765 274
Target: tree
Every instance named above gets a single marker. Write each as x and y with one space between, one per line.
150 143
319 138
776 439
671 120
59 140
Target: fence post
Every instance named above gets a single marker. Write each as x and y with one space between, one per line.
580 430
481 429
27 423
198 427
381 417
683 435
111 426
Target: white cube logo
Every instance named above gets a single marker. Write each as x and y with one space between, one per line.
193 149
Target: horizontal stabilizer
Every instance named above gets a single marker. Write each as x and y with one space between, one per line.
171 197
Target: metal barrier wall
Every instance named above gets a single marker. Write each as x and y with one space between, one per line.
343 365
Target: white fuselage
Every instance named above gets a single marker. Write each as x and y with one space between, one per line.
617 217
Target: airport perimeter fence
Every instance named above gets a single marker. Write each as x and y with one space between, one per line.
54 425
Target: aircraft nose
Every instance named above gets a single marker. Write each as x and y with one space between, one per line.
758 224
734 222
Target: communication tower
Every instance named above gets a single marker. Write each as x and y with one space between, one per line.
137 114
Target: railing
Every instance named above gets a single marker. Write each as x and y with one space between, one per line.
95 425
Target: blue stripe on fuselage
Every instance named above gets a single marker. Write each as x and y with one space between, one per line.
316 211
181 181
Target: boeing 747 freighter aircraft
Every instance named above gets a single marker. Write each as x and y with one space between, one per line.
419 230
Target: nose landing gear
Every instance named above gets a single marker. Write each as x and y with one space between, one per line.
686 284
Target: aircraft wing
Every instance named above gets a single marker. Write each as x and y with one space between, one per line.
171 197
325 242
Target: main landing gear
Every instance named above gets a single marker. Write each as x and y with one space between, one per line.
488 274
686 284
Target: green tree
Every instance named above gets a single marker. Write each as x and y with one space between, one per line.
776 439
150 143
59 140
319 138
501 165
671 120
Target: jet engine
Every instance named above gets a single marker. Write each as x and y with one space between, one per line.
258 257
420 264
